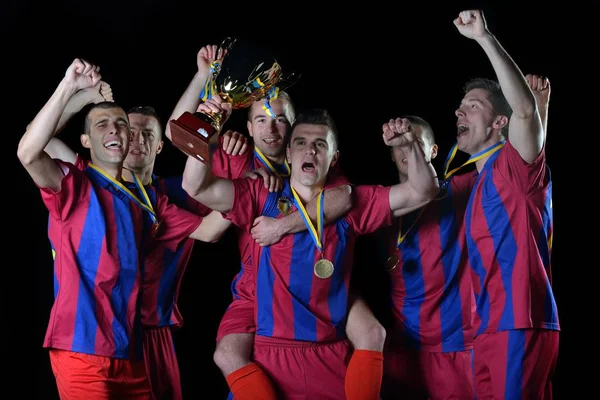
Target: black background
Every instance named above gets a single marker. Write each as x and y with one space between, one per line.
366 63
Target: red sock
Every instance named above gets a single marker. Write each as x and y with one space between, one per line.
251 383
364 375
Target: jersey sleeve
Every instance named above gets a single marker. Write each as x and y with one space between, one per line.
371 209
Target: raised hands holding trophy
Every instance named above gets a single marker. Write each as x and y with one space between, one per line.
191 133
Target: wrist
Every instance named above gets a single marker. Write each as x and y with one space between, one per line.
67 88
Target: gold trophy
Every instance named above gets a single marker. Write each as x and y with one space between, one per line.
192 132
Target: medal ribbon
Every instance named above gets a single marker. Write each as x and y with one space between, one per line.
210 87
401 237
146 206
475 157
268 164
316 234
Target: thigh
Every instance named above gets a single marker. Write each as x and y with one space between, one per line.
402 376
81 376
161 363
448 375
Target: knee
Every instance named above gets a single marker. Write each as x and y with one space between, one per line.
232 352
373 339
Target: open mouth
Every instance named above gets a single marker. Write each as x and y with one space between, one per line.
272 141
113 145
461 130
308 167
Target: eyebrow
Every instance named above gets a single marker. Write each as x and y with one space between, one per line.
472 99
263 115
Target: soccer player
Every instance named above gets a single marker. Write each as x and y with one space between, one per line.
508 227
269 126
428 349
164 268
100 231
302 280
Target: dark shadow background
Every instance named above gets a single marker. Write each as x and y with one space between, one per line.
365 63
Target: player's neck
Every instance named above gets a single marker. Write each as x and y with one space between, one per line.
112 170
402 177
144 173
276 159
306 193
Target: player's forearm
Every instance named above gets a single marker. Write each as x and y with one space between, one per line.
512 81
190 99
74 105
337 202
204 187
41 130
422 177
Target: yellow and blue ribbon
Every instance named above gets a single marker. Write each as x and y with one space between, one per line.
210 87
316 234
474 158
146 204
268 164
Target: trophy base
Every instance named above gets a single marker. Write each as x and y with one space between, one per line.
191 133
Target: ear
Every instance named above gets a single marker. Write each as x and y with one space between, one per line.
249 127
160 146
288 155
500 122
85 140
335 158
434 151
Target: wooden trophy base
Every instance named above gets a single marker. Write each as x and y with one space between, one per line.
191 133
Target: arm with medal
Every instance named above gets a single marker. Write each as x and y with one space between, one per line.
337 202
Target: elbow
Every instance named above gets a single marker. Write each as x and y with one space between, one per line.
26 156
527 108
191 188
429 192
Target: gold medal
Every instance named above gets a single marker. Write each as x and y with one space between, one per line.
323 268
391 262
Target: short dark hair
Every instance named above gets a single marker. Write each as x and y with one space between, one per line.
145 110
496 97
318 116
103 105
427 129
148 111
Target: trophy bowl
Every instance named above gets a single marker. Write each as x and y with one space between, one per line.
241 85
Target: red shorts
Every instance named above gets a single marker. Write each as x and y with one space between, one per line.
515 364
86 376
304 370
161 364
239 316
413 374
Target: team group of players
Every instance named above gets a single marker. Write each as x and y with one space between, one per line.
468 249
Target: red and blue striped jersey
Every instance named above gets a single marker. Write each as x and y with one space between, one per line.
234 167
99 236
509 231
291 301
431 291
164 268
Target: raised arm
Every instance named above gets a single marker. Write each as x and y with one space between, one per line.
422 184
203 186
540 87
44 171
525 128
100 92
190 99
